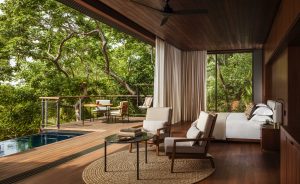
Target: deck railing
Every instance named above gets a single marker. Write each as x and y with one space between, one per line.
62 108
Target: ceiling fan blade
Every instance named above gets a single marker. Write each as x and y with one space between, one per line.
146 6
164 20
191 12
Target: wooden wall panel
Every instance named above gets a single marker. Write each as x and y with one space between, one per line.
285 19
294 85
279 80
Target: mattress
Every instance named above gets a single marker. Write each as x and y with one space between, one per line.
238 127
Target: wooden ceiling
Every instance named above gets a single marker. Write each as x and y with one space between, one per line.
229 24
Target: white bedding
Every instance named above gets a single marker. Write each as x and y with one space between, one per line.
236 126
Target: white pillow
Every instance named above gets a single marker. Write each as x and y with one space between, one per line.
261 105
152 126
193 133
261 118
201 124
263 111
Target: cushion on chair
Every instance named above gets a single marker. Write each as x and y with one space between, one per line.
201 123
193 133
182 147
102 108
208 127
115 113
152 126
158 114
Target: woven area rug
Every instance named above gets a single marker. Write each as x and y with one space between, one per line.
121 168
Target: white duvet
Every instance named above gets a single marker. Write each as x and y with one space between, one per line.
236 126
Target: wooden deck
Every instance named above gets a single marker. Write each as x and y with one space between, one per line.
235 162
25 161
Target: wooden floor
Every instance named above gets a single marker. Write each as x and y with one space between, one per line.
235 163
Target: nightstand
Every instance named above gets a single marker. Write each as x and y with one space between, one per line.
270 138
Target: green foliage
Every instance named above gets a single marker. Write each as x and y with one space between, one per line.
236 70
34 57
19 110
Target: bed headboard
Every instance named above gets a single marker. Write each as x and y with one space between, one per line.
277 110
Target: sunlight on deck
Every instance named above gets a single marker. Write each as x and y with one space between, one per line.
27 161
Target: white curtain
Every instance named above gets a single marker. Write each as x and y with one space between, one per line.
179 81
193 84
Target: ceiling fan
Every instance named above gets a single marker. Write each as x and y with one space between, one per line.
168 11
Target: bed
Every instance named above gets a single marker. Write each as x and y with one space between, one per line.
236 126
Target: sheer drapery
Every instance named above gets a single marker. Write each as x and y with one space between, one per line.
193 84
179 81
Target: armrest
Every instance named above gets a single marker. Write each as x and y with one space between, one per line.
166 128
187 140
137 126
118 107
200 139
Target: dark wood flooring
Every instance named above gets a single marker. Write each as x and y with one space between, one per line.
236 163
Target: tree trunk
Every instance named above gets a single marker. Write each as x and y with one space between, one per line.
224 87
107 68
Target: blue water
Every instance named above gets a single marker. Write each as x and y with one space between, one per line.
20 144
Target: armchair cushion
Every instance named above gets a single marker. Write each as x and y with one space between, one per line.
152 125
182 147
202 120
204 124
193 133
159 114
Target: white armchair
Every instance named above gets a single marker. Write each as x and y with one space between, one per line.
158 123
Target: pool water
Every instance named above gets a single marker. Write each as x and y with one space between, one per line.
20 144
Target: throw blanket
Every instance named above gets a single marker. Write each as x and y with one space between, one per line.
220 127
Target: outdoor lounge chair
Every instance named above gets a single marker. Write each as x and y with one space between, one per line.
102 110
147 103
122 111
195 144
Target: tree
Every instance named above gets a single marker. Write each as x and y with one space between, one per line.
48 49
233 81
58 36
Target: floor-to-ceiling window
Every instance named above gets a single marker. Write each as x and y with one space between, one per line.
229 81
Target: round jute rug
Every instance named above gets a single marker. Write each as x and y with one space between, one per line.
121 168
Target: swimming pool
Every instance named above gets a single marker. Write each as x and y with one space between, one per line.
20 144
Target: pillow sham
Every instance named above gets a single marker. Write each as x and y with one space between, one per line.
263 111
261 105
261 118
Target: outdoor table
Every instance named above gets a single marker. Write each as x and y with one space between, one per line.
94 106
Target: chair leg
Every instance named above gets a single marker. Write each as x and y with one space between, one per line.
157 149
172 165
212 162
130 148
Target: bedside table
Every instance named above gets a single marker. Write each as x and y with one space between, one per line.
270 138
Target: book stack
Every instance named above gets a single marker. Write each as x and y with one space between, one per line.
130 132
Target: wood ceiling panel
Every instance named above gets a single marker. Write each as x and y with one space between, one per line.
229 24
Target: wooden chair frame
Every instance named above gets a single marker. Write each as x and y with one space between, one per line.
174 155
